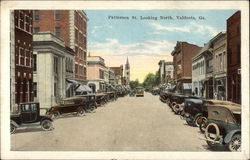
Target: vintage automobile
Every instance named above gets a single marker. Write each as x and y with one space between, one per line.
193 110
224 126
132 93
100 99
28 115
177 102
139 92
112 96
78 104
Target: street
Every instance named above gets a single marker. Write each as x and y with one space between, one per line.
128 124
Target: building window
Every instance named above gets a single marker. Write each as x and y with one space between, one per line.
21 56
58 31
34 63
76 69
57 15
55 89
81 70
55 65
21 20
84 71
36 29
36 15
101 74
35 89
26 23
220 62
76 35
76 51
84 56
27 58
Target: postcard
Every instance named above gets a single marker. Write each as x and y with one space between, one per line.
124 80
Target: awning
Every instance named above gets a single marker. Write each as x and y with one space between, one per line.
83 88
70 83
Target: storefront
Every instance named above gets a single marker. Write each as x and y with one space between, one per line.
220 88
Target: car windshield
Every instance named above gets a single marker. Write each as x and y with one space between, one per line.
75 101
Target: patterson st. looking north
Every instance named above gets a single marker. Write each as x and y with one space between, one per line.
128 92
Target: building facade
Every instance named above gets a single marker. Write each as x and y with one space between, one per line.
166 71
234 58
219 45
202 72
118 74
51 67
182 62
97 76
21 57
71 27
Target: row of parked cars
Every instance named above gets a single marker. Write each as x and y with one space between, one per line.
219 121
28 114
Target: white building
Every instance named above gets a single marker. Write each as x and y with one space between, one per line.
53 63
127 73
166 70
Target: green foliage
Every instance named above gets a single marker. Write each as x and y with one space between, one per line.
134 84
151 80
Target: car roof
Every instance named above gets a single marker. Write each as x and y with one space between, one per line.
233 107
73 98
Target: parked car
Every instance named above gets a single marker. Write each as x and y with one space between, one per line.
202 119
100 99
224 126
139 92
28 115
112 96
78 104
193 110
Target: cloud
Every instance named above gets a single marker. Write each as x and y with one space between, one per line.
96 28
148 48
192 27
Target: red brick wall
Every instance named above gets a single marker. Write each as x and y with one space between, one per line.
23 56
234 55
47 23
188 52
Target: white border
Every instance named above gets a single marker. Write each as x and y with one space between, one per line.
6 6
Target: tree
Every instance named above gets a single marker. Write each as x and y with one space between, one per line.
134 84
149 81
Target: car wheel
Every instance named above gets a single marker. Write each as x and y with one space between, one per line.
81 112
92 107
190 121
203 125
55 114
235 144
46 125
12 129
198 120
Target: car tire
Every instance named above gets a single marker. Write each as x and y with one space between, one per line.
198 120
46 125
212 145
81 112
55 114
217 131
92 107
203 125
235 144
12 129
190 121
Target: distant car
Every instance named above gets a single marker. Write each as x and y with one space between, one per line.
28 115
224 126
139 92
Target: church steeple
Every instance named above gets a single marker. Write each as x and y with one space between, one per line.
127 64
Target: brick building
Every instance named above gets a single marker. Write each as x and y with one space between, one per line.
71 27
234 56
21 57
118 74
182 62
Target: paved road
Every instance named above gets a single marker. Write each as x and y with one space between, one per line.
129 124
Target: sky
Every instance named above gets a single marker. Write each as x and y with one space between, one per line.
145 38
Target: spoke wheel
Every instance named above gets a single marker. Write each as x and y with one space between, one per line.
203 126
12 129
46 125
81 112
235 143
